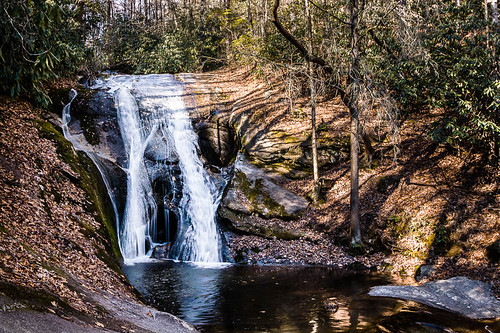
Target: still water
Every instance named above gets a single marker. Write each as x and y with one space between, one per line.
284 299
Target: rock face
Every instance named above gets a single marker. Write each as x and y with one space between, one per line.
283 152
161 251
286 153
217 140
252 195
95 126
469 298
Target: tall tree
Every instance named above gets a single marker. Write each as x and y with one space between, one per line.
352 102
312 86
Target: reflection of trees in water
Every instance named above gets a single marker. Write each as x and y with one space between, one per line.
285 299
279 299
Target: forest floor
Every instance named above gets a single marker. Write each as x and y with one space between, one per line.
426 205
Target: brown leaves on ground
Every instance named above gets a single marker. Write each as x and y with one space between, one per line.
44 217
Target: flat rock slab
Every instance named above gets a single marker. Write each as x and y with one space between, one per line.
469 298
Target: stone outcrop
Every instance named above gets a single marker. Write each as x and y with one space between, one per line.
94 125
223 133
469 298
217 140
253 196
284 152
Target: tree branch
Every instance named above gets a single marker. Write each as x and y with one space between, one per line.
298 45
382 45
328 13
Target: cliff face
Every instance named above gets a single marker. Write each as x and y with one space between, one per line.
58 248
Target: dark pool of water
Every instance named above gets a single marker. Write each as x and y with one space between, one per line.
284 299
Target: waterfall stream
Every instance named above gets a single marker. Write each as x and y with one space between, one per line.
170 198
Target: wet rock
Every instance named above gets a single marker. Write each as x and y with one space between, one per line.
94 122
469 298
161 251
94 126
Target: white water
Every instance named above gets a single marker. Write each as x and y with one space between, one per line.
154 122
77 142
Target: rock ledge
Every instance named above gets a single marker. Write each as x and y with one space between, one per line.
469 298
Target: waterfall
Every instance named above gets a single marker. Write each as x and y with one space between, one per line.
170 196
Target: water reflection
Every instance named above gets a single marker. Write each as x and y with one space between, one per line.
283 299
256 299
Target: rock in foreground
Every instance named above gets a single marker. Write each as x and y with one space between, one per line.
469 298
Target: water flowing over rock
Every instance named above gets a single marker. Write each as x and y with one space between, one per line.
473 299
170 198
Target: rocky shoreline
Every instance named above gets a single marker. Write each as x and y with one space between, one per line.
412 216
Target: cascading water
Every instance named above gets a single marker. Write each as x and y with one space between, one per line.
166 181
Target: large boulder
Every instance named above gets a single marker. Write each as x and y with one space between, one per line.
469 298
252 197
94 128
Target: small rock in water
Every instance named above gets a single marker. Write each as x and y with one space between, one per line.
161 251
332 304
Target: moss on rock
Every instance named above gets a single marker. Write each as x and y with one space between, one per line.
245 224
93 185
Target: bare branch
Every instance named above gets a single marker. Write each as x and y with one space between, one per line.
303 51
328 13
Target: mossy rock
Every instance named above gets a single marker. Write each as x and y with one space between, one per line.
252 198
91 182
252 225
253 192
287 153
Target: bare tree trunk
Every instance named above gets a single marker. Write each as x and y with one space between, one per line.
263 6
350 99
314 142
352 103
249 14
496 32
486 16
